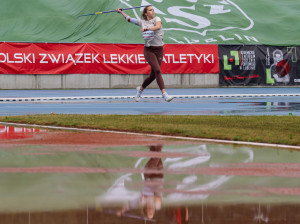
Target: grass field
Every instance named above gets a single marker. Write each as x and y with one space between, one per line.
266 129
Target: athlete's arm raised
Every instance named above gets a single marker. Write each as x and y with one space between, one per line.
119 10
128 18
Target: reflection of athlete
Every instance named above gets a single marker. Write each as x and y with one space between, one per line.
277 57
151 27
150 199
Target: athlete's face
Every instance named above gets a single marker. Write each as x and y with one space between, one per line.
150 13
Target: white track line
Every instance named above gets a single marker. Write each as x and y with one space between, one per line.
55 99
159 136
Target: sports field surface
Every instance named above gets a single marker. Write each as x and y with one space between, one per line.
202 101
63 176
70 159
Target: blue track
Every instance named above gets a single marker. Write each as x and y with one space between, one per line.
279 105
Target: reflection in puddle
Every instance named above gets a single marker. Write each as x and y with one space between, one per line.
259 107
150 198
207 183
9 132
200 214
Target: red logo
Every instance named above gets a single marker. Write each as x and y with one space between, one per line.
283 68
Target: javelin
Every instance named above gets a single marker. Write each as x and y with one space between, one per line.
97 13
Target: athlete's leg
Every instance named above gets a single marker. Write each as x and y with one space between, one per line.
159 52
151 55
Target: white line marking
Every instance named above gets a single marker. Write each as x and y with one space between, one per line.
55 99
158 136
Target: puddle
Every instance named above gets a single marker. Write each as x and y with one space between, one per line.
9 132
203 183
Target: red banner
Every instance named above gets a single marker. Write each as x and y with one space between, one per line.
89 58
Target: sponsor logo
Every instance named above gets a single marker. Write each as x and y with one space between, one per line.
246 60
199 19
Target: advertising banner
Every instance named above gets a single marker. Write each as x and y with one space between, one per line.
183 21
282 65
258 64
89 58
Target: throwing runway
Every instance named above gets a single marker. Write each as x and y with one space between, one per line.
206 101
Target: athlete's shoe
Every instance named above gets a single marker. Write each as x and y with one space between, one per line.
138 94
167 97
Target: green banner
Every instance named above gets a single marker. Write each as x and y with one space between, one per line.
184 21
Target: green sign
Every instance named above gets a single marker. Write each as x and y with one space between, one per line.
184 21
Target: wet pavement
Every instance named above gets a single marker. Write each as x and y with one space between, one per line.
57 177
238 104
195 214
166 182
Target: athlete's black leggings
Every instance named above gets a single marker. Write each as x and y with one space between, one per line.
154 56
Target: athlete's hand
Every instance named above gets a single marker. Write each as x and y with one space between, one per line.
118 10
144 29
